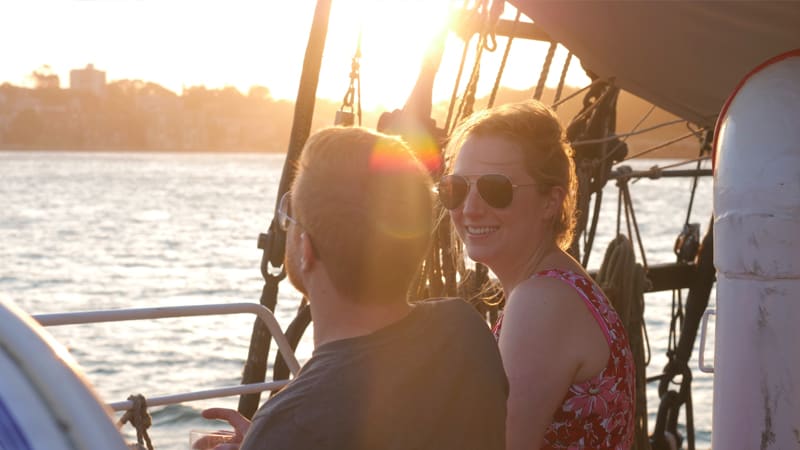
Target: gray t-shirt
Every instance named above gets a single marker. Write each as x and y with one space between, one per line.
433 380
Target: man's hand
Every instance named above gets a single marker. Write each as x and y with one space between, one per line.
239 423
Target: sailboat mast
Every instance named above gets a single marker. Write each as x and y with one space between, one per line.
273 243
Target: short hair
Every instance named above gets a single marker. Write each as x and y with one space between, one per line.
548 156
367 204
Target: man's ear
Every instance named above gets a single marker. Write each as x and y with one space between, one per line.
308 257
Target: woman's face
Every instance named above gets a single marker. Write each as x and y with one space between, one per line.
499 236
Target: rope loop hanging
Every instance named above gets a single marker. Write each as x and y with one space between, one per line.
486 17
504 60
351 104
491 15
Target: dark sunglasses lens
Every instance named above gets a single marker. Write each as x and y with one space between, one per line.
452 191
496 190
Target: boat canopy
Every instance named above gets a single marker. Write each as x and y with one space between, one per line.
685 57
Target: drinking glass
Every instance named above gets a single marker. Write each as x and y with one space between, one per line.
207 439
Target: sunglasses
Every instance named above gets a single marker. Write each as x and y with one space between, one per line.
495 189
284 219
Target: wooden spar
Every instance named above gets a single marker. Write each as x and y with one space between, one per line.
523 30
667 277
273 243
464 26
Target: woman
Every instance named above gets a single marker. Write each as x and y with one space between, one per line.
511 194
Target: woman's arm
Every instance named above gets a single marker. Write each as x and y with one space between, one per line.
539 346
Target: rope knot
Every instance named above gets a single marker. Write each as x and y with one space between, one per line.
140 419
624 173
655 172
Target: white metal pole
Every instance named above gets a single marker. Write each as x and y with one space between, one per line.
757 257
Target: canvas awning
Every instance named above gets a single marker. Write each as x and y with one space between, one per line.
685 57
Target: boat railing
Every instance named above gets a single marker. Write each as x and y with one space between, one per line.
119 315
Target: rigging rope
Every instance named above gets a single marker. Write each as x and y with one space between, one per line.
454 96
595 105
465 108
588 241
561 80
486 16
688 161
704 148
624 198
662 145
687 243
140 419
675 322
584 168
686 318
596 119
679 353
641 121
633 132
624 281
548 60
503 62
576 93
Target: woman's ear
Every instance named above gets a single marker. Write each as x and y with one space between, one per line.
554 202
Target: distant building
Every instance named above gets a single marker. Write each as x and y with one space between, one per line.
88 80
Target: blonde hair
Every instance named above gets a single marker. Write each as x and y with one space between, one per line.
367 204
548 157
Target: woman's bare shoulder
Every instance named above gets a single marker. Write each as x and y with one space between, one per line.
539 293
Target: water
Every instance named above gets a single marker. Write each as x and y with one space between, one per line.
83 231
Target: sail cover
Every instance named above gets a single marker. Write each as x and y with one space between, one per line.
685 57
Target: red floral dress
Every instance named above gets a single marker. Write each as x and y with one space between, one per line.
598 413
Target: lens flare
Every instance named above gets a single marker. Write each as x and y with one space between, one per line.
389 158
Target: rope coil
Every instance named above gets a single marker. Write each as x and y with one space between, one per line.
625 281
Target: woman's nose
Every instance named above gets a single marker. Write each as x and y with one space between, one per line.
473 203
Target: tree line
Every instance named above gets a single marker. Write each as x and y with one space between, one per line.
142 115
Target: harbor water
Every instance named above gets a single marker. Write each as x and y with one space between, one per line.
94 230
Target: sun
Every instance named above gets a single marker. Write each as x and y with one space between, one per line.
394 38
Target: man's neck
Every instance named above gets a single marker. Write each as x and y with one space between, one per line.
337 317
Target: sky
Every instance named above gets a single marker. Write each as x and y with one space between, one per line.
179 43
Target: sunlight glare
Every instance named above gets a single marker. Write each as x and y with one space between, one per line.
395 36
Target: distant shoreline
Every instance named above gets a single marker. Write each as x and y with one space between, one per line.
225 121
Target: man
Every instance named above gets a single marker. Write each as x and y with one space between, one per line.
384 374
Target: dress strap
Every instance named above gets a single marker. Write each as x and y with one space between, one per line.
593 300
